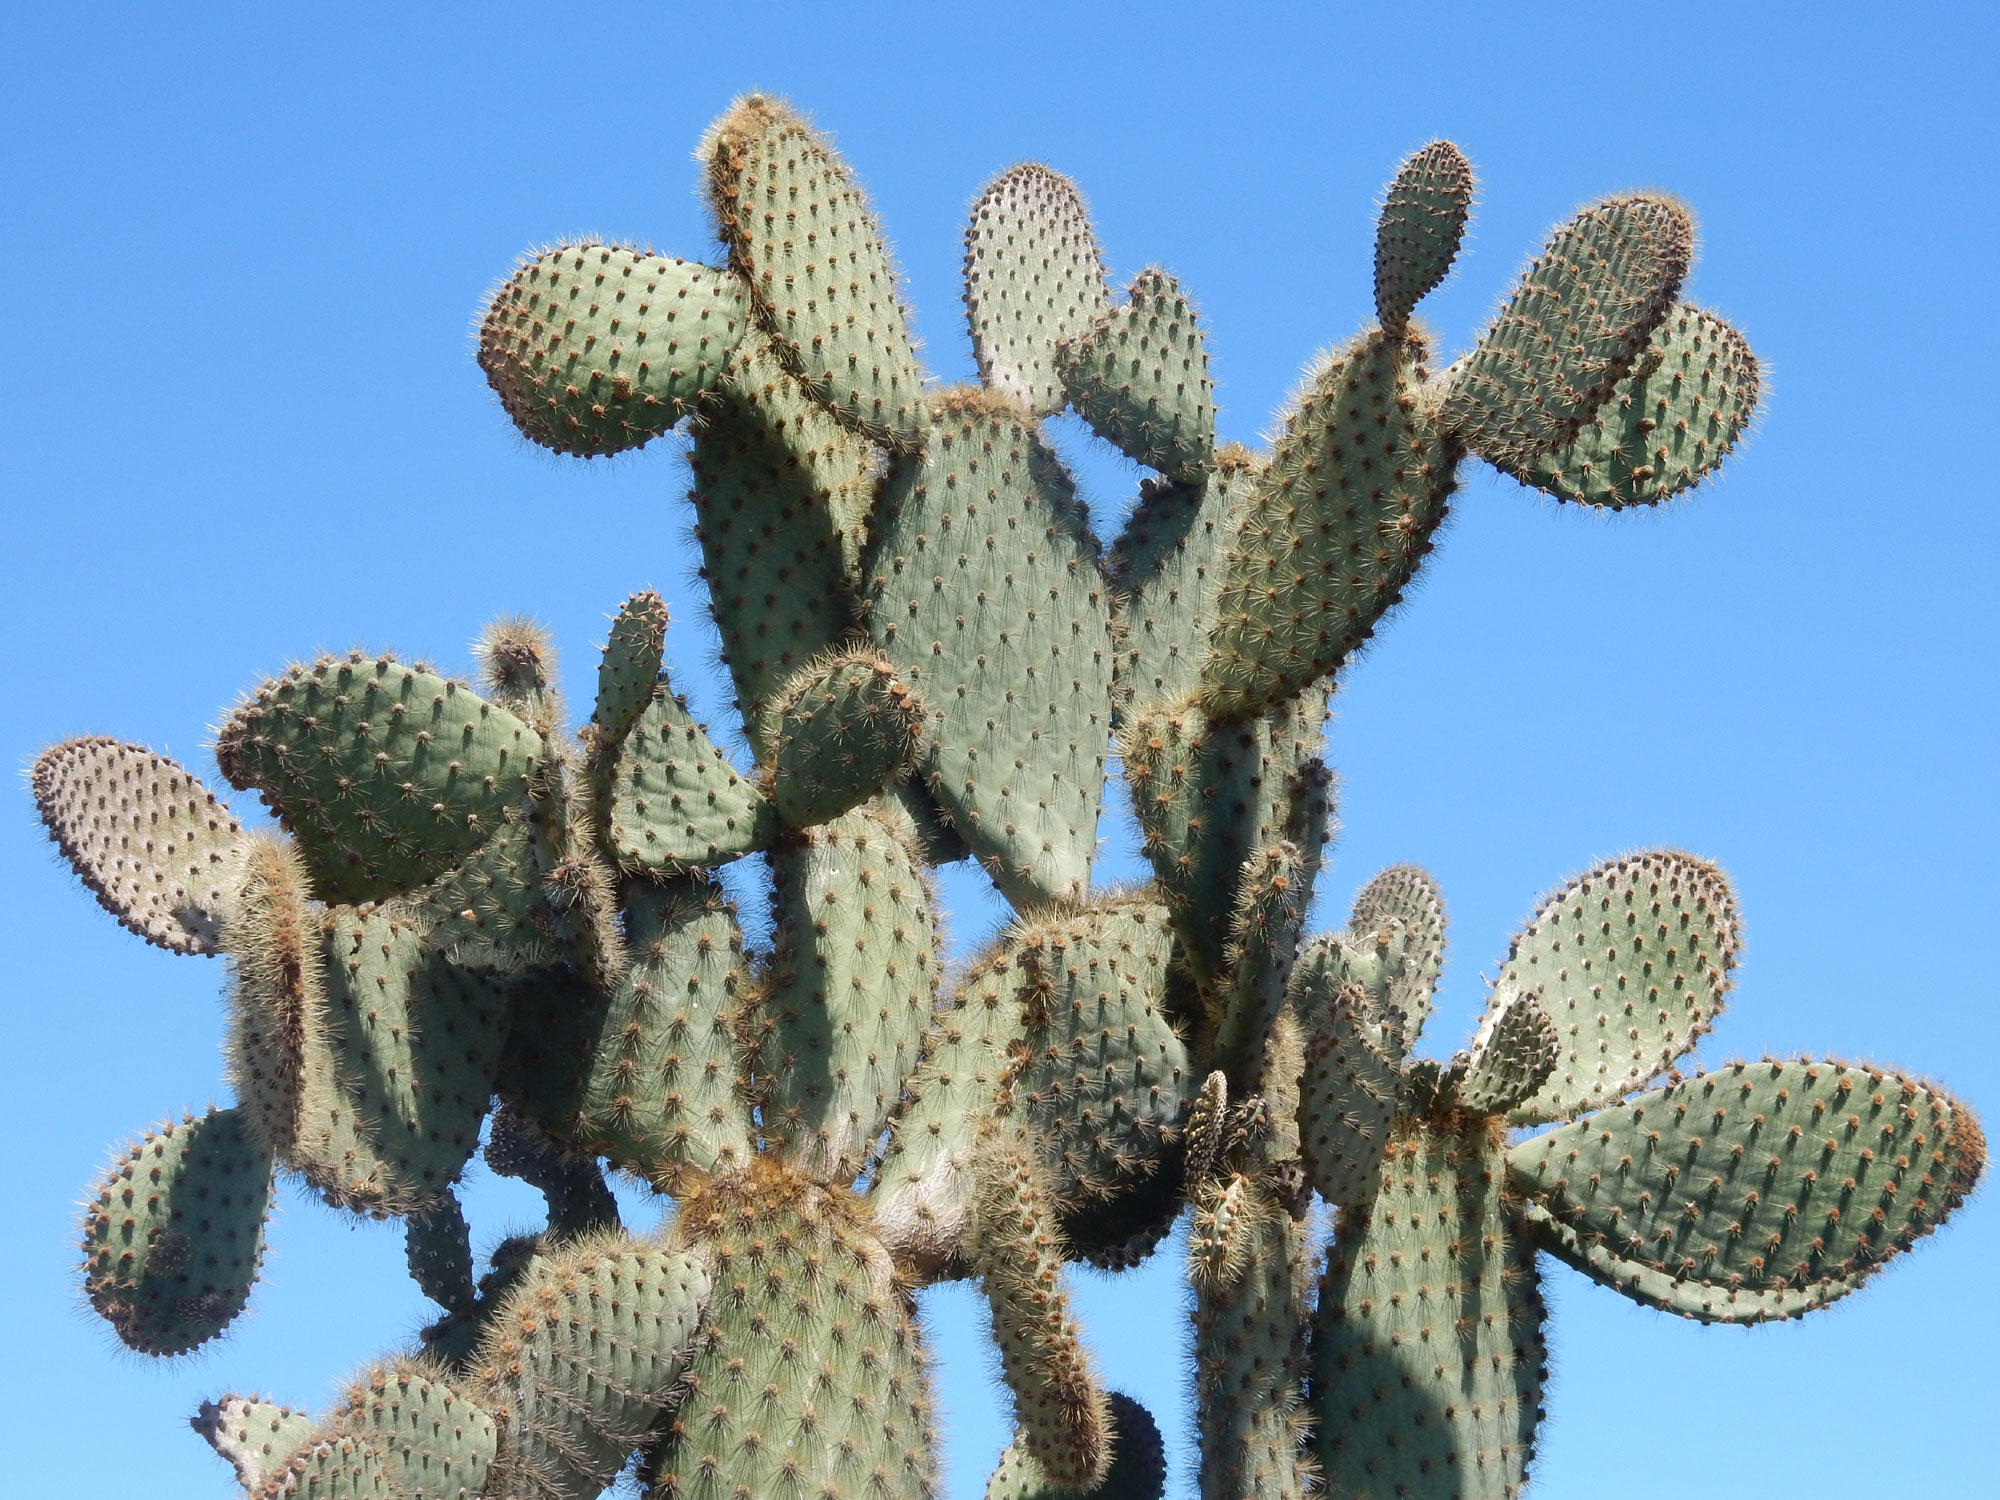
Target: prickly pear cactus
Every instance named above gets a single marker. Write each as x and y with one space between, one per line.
476 930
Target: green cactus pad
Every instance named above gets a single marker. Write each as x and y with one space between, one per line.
665 1091
629 669
174 1233
923 1188
809 1334
1107 1075
803 239
414 1044
582 1358
852 984
1580 316
1347 1097
985 593
252 1435
1139 376
1517 1048
385 774
1405 901
1428 1355
1209 794
1796 1178
1373 959
1163 566
596 348
1335 529
840 730
437 1248
778 550
1632 961
1247 1259
1033 277
837 468
676 802
436 1441
1138 1463
491 912
145 837
1418 233
1666 426
1017 1252
336 1467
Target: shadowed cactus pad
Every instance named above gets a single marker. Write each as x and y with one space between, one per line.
174 1234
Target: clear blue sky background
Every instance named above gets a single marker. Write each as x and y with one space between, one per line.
239 421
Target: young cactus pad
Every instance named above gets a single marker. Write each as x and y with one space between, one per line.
472 925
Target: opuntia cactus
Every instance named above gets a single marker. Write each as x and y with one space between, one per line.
474 926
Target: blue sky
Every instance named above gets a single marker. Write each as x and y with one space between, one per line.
239 421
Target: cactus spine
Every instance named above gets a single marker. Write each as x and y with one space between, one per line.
934 657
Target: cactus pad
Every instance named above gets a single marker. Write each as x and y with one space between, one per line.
1164 565
985 593
777 548
1665 426
1428 1356
1347 1098
1208 794
252 1435
837 733
436 1443
851 989
665 1092
1405 901
336 1467
415 1048
1106 1075
676 802
1797 1178
582 1358
629 669
1516 1050
1334 530
1417 236
1581 314
1061 1412
802 237
385 774
808 1335
595 348
1033 277
1139 376
174 1234
924 1186
145 837
1631 961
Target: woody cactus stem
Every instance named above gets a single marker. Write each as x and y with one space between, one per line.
933 657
